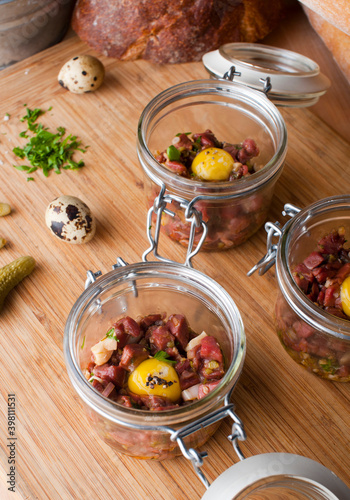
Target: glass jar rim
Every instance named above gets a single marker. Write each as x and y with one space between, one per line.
305 308
142 419
160 174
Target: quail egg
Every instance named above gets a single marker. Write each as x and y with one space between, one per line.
155 378
70 219
213 164
82 74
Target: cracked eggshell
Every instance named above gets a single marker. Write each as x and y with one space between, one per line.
70 219
81 74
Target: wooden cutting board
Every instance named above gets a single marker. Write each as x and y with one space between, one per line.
284 408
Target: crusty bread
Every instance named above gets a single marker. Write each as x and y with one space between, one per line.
171 31
337 41
259 19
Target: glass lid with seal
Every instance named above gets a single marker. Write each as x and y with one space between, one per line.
277 476
288 78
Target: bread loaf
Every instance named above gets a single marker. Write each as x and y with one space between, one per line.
171 31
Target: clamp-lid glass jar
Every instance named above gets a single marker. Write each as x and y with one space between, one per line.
312 336
234 111
233 211
138 290
135 289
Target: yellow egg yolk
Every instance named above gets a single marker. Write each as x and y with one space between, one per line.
155 378
345 295
213 164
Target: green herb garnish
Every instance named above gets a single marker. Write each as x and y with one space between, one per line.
83 343
163 356
328 365
173 153
197 144
111 334
31 117
180 133
30 179
47 150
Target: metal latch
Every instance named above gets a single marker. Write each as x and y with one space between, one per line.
192 215
237 434
274 230
231 73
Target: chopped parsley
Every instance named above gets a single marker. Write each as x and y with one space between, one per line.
83 343
186 133
163 356
111 334
47 150
31 117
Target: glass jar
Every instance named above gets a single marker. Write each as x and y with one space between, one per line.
277 476
316 339
138 290
285 488
232 211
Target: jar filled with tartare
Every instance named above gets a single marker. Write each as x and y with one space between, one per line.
312 312
217 146
144 375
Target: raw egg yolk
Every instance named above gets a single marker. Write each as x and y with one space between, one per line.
213 164
155 378
345 295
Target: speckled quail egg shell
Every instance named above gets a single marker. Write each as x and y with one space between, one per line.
70 219
82 74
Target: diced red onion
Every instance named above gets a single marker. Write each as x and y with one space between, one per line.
190 393
195 341
108 389
93 377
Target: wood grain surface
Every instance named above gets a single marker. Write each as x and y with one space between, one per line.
284 408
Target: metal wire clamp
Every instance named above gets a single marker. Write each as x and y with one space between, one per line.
192 215
274 230
196 457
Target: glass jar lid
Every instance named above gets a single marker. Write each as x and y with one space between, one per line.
288 78
277 476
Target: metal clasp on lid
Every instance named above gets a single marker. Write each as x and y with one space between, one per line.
92 277
238 433
274 230
264 264
267 84
231 73
290 210
191 215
